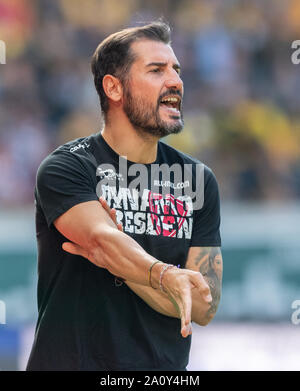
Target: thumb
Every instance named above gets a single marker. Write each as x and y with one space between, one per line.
186 330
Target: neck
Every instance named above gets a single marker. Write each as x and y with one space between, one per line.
125 140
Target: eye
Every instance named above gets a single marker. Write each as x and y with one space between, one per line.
155 70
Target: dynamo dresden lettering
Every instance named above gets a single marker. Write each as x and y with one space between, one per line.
151 214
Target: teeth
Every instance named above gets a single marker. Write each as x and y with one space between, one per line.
170 100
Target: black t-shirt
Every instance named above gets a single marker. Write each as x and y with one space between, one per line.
87 321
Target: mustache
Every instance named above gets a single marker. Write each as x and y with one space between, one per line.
171 91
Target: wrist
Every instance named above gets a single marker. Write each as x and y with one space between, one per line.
158 273
164 270
154 277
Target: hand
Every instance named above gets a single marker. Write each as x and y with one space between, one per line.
178 284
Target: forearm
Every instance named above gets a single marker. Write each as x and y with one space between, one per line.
98 239
162 303
157 300
215 289
123 257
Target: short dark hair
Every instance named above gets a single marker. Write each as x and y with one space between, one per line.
113 55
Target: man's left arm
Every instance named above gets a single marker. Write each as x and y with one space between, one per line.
208 261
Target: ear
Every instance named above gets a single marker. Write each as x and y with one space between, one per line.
112 88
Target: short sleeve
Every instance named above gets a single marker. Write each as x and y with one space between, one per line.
206 225
62 182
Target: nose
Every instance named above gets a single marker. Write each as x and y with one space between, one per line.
174 81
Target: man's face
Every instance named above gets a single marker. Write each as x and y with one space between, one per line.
153 94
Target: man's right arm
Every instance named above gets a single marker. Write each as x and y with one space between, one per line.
88 225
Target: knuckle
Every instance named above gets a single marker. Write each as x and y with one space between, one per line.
204 289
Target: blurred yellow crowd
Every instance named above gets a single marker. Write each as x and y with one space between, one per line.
241 105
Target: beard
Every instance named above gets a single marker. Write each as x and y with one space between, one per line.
146 118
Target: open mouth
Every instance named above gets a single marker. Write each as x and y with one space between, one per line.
172 104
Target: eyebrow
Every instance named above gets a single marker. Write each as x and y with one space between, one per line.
163 64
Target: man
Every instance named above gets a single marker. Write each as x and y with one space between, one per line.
121 280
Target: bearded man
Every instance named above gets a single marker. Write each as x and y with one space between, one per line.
124 271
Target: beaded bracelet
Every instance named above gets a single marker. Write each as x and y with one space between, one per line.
149 273
164 269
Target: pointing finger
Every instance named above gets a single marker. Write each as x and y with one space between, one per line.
104 204
114 215
186 311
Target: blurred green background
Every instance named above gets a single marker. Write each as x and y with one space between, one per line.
241 110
